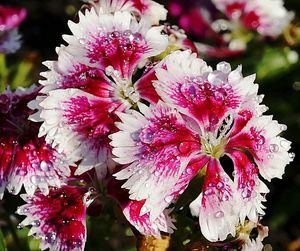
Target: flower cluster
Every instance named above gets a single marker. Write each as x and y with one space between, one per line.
231 24
129 99
10 19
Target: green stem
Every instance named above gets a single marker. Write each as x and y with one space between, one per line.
3 73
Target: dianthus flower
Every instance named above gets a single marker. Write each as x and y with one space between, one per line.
93 78
200 20
26 159
206 115
10 19
148 9
256 14
58 219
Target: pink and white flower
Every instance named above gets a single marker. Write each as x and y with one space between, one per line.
26 159
250 243
147 9
58 219
133 210
256 14
10 19
206 115
91 80
134 213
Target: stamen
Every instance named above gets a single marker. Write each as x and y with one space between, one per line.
126 90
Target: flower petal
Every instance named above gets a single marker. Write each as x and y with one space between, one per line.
215 206
115 40
260 138
57 219
79 124
158 147
141 221
147 9
250 190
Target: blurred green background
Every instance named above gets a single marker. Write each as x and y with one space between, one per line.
278 74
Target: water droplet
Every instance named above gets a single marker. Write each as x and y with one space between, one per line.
225 197
224 67
274 148
35 179
220 185
147 136
169 199
283 127
22 210
127 33
246 193
217 77
270 156
291 156
208 191
138 37
156 173
260 140
65 221
144 209
184 147
46 165
20 226
189 170
50 237
75 243
219 214
21 171
36 223
109 70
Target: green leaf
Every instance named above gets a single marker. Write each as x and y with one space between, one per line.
2 242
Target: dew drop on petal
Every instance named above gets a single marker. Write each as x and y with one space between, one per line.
260 140
75 243
35 179
50 237
216 77
224 67
192 90
225 197
36 223
208 191
189 171
144 209
219 214
291 156
246 193
148 137
220 185
274 148
169 199
184 147
283 127
46 165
